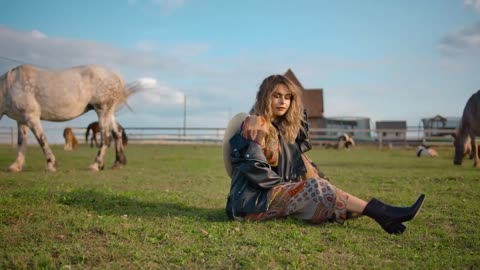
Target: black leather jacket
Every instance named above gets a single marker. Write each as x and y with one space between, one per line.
253 177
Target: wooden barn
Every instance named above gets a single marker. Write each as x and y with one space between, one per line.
312 101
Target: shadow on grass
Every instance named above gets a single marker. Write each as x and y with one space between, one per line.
113 204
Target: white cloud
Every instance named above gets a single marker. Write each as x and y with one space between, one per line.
473 3
146 46
38 34
50 52
462 42
158 93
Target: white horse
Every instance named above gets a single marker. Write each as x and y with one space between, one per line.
29 94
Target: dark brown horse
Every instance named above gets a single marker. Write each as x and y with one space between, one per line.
95 128
469 128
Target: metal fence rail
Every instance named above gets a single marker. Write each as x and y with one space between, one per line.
156 135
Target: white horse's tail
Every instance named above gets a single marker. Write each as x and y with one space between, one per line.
135 86
130 89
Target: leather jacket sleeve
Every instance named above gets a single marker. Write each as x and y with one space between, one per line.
302 139
249 162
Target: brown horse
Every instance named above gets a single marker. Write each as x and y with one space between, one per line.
343 142
468 129
95 128
29 94
71 142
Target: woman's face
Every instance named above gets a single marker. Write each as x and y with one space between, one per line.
281 99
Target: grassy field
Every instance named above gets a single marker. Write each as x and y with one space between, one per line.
165 210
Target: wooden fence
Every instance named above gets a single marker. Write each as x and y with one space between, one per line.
170 135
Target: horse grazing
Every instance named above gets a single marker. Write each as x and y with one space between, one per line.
29 94
469 127
95 128
426 151
344 141
71 142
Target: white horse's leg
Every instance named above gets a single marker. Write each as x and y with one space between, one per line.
120 159
92 136
95 137
37 130
103 125
17 165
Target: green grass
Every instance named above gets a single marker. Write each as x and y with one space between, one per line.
165 209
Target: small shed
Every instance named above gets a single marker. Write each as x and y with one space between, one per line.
391 130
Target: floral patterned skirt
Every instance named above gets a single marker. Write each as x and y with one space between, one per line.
315 200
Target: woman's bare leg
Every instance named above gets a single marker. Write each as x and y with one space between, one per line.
355 204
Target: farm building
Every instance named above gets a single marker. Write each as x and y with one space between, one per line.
312 101
439 125
357 127
314 104
391 130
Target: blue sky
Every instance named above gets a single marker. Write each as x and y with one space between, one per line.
386 60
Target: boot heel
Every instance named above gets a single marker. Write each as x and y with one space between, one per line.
397 228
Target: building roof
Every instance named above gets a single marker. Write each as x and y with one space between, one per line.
291 76
348 118
439 121
312 98
391 124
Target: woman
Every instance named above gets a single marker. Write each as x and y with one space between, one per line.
272 177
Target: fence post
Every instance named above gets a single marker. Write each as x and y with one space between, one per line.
380 140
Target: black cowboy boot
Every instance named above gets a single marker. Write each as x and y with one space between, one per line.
391 217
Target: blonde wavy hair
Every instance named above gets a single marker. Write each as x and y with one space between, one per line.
291 122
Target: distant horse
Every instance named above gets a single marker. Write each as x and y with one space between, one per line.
426 151
29 94
70 139
343 142
95 128
468 129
